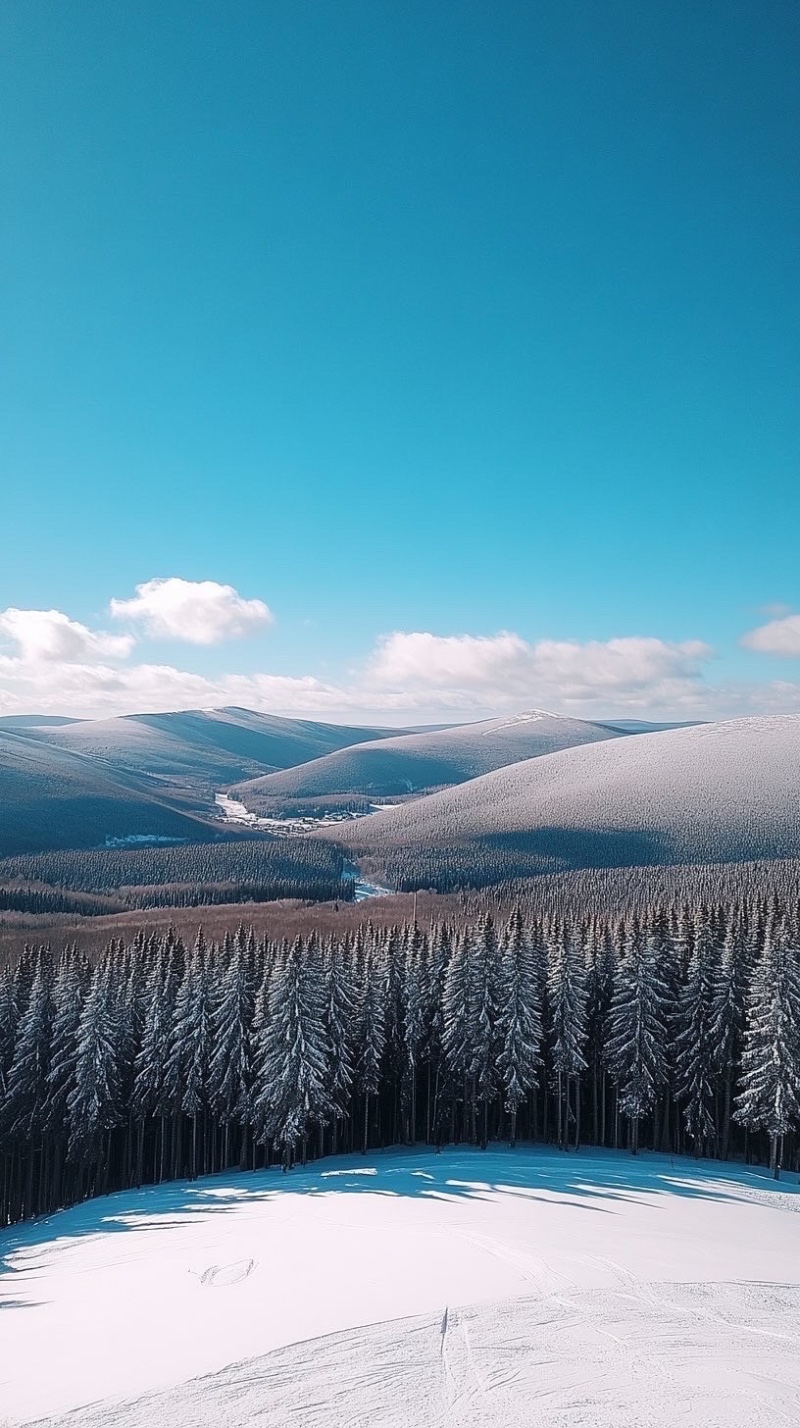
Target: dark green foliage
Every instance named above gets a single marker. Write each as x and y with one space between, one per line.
104 880
161 1063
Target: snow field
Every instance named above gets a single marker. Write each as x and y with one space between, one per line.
524 1287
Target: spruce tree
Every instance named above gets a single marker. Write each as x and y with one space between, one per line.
567 999
94 1101
295 1066
637 1040
769 1098
519 1018
696 1052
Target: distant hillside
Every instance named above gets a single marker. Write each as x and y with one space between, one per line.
203 749
712 793
52 798
414 763
75 784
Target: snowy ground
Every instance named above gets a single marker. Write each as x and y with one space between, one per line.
416 1290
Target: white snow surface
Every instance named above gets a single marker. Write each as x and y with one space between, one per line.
713 792
501 1288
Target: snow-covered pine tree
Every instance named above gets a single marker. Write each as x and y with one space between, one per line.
696 1080
186 1075
519 1018
230 1067
295 1066
8 1028
567 1002
458 1035
26 1093
437 962
148 1097
769 1098
413 994
637 1038
93 1103
340 1018
69 993
600 968
728 1014
371 1033
485 991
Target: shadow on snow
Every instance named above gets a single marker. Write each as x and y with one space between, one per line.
590 1180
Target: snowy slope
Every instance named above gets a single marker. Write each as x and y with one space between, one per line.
504 1288
53 798
210 745
715 792
74 784
412 763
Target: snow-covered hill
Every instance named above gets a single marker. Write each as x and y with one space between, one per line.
205 746
499 1288
416 762
715 792
72 784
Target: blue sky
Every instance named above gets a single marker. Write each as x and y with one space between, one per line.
406 319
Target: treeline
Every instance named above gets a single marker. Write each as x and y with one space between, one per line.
679 1031
19 897
509 859
188 875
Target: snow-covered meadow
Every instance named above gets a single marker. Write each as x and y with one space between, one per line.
410 1288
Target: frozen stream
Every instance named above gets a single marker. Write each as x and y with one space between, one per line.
235 812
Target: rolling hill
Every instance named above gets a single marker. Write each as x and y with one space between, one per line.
719 792
53 798
77 784
414 763
202 748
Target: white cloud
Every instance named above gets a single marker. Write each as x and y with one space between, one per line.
779 637
505 670
201 612
52 664
49 635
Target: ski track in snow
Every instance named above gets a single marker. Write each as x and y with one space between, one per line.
523 1289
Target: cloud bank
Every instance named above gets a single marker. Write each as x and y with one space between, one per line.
630 673
50 663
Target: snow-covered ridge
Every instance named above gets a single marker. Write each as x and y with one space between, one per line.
711 792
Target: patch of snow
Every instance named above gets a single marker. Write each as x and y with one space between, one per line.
139 840
233 811
528 716
505 1288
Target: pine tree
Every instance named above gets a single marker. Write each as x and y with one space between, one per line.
340 1016
413 994
769 1099
296 1060
637 1041
150 1068
69 994
696 1081
186 1075
567 998
728 1014
484 1015
519 1018
93 1103
458 1035
371 1035
230 1069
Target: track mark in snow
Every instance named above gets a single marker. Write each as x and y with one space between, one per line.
219 1276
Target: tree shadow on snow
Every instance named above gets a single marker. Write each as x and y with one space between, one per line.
595 1180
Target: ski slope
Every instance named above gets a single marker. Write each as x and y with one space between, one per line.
414 1289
